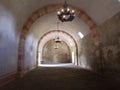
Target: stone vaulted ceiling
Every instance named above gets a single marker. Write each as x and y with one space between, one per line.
98 10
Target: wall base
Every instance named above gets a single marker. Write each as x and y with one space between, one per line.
7 78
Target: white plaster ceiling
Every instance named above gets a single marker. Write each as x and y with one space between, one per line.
98 10
49 22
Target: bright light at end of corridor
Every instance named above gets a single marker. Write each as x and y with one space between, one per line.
73 57
55 65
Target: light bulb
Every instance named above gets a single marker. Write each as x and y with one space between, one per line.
62 10
68 9
58 12
73 11
64 16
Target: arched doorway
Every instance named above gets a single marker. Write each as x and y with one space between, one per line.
56 53
38 14
50 52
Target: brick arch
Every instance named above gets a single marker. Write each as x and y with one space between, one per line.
39 13
63 32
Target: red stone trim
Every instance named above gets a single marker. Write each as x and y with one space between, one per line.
45 10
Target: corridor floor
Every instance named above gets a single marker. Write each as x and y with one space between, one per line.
62 78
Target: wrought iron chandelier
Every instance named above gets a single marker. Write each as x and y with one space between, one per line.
66 14
57 39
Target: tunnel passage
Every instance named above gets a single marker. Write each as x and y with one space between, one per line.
56 53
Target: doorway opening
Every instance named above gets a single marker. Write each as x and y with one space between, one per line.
56 53
51 53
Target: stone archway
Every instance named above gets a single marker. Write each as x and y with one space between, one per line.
70 40
45 10
56 53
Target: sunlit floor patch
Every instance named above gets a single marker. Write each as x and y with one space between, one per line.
56 65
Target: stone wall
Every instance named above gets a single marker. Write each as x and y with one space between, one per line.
110 39
107 55
87 57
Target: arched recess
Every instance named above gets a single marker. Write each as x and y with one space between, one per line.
45 10
65 37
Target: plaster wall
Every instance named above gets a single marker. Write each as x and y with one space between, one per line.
30 53
8 42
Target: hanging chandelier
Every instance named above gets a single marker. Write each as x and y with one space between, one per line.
58 40
66 14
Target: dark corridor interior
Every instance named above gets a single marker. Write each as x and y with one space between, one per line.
64 78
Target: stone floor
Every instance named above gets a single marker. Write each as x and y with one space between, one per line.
62 78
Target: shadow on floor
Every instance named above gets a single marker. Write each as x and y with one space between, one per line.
61 78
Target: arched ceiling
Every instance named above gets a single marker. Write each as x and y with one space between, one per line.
53 36
49 22
98 10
